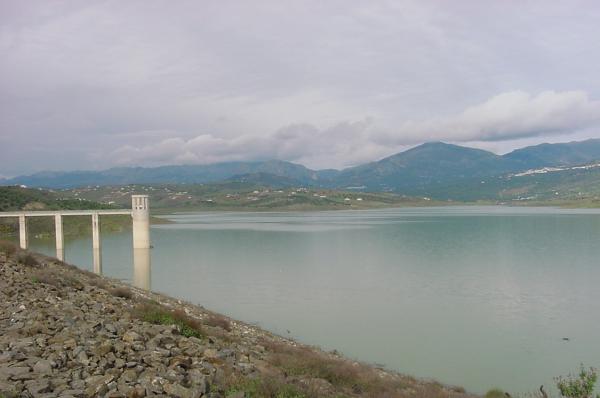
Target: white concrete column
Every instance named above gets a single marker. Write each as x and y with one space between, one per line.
95 231
23 232
58 232
140 213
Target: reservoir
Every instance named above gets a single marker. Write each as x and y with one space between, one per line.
480 297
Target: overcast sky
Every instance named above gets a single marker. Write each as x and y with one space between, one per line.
88 85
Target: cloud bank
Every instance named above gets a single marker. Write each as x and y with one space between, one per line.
507 116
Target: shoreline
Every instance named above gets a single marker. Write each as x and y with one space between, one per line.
69 332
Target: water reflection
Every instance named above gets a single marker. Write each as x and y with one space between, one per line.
141 268
97 252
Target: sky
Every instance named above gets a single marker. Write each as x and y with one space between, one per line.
327 84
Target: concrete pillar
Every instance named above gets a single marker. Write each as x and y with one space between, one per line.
95 231
23 241
140 213
58 232
141 268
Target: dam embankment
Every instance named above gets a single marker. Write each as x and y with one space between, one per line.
65 332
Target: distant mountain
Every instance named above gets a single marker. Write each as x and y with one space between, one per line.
566 154
433 169
167 174
265 180
415 170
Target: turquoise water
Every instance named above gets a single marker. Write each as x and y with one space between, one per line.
475 296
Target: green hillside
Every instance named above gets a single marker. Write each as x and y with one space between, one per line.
17 198
578 185
243 195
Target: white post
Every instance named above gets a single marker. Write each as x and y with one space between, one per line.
23 231
140 213
58 232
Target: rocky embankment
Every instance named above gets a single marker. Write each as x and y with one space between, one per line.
69 333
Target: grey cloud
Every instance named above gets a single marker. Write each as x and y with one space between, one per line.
113 82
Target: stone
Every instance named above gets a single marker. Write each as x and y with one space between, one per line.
97 385
38 387
42 366
130 336
179 391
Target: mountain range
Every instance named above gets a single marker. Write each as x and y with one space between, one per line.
428 168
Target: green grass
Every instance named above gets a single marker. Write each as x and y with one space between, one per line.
159 315
495 393
264 388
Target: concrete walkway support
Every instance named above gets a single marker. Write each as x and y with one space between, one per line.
60 240
140 213
23 241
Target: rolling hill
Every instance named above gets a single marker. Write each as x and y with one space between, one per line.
432 169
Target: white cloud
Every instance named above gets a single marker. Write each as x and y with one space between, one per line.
507 116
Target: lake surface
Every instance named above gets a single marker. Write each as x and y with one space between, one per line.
475 296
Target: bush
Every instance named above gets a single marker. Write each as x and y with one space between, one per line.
579 386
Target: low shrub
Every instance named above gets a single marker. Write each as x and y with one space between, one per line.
159 315
341 373
56 279
267 387
8 248
495 393
46 277
122 292
580 385
219 321
27 259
